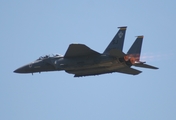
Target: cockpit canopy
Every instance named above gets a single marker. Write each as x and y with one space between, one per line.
49 56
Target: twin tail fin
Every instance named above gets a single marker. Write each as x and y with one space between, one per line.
117 42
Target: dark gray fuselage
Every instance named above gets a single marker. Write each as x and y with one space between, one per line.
86 65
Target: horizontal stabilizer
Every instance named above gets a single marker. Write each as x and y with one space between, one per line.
116 53
77 50
129 70
145 66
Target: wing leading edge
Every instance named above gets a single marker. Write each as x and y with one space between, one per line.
77 50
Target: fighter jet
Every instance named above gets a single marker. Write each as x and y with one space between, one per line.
81 60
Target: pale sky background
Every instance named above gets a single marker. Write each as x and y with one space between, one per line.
30 29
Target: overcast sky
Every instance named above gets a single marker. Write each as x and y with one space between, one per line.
32 28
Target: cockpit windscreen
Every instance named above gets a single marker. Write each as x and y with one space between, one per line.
48 56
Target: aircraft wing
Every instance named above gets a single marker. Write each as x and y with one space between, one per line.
77 50
89 72
128 70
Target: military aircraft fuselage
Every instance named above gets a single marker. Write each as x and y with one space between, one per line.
77 65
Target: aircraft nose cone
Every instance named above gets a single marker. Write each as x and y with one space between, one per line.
15 71
21 69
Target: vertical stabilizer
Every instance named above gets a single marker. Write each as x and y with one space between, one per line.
117 41
135 49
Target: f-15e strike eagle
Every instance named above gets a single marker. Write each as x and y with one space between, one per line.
80 60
